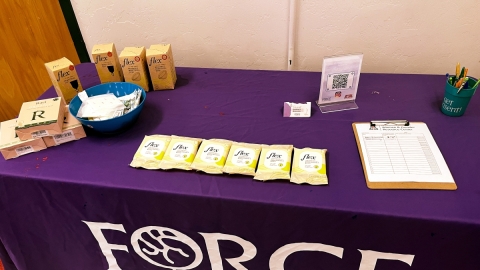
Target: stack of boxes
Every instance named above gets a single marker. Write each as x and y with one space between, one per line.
40 124
151 68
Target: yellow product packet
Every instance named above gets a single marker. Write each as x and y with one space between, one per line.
150 152
243 158
180 153
275 163
211 156
309 166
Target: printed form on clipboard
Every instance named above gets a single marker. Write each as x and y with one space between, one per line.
397 154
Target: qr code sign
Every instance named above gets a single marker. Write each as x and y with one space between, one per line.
340 81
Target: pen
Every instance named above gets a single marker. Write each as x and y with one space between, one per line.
461 73
463 84
464 78
461 78
476 84
457 74
459 83
449 79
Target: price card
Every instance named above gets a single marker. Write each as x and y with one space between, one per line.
291 109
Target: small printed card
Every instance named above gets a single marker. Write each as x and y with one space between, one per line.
291 109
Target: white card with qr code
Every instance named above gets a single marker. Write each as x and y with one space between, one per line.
339 83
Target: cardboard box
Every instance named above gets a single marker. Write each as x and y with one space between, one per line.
134 67
11 146
64 78
40 118
161 66
106 61
72 130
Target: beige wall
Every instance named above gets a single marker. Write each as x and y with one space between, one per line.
396 36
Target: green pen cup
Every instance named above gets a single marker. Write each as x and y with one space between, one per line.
455 104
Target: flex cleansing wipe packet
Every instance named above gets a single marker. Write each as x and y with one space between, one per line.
243 158
180 153
309 166
275 163
211 156
150 152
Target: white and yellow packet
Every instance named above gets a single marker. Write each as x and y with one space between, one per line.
211 156
275 162
243 158
309 166
150 152
180 153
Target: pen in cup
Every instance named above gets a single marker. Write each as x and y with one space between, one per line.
459 82
463 84
476 84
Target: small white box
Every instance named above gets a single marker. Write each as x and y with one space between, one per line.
291 109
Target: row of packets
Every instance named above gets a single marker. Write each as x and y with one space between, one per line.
217 156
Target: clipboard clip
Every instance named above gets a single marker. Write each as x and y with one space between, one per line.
374 124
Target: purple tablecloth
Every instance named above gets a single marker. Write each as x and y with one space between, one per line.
48 198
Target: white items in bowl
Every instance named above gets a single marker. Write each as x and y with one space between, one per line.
107 106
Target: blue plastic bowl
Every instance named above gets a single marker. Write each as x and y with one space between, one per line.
113 125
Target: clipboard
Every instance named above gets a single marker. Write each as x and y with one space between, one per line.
398 154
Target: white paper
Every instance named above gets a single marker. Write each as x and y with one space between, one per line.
101 106
83 96
394 153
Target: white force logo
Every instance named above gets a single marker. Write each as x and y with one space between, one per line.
160 234
174 235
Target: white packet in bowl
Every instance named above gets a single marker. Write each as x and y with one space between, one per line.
131 100
102 106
